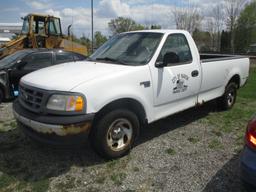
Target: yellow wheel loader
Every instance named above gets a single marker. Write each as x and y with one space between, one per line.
41 31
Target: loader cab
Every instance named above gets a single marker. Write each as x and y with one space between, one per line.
54 26
43 31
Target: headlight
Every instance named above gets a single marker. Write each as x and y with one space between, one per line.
66 103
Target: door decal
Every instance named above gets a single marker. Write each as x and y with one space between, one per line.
180 83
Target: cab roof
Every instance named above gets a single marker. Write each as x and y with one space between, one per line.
40 15
164 31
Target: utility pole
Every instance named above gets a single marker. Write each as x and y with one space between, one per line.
92 21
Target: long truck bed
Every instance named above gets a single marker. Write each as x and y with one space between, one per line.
205 57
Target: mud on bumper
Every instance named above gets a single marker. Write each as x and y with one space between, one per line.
50 129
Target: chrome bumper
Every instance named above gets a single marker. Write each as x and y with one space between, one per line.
60 130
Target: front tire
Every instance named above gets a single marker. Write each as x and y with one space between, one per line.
114 133
227 101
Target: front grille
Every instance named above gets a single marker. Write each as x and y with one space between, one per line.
31 98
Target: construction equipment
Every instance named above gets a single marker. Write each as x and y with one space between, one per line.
41 31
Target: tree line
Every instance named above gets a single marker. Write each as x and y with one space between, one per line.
230 29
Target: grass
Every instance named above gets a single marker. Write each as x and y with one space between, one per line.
100 179
170 151
136 169
114 171
112 164
10 183
193 140
215 144
40 186
68 185
5 181
7 126
118 178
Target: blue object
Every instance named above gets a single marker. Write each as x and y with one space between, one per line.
248 166
16 93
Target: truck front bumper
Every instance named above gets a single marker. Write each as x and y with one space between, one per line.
53 129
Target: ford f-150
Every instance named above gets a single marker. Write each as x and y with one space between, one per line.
133 79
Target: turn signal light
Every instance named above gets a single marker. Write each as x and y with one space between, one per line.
251 134
252 139
75 103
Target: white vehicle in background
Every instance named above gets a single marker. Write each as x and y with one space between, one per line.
133 79
4 40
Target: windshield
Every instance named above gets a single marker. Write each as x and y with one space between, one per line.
129 48
25 27
54 26
10 59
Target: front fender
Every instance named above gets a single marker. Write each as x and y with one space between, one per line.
95 103
102 91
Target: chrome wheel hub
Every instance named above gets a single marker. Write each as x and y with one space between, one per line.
231 98
119 134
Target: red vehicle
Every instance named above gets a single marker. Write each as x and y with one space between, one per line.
248 157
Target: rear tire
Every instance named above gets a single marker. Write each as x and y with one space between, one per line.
227 101
114 133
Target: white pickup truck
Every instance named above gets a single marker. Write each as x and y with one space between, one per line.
133 79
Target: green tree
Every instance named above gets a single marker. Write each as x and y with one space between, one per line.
225 42
99 39
122 24
156 27
85 41
203 40
245 32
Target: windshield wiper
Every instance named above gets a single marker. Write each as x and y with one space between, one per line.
111 60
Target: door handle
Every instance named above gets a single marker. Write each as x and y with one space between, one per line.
195 73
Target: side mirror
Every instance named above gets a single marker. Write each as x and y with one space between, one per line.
20 64
169 58
160 64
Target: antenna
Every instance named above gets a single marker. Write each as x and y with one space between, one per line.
92 21
72 30
151 14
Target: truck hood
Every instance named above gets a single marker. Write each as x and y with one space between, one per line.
66 76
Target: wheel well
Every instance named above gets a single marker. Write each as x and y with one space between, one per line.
236 80
126 103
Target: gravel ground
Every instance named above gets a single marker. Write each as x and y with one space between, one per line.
6 112
179 153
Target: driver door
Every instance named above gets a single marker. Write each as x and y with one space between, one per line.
176 85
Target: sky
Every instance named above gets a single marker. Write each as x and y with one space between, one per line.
78 12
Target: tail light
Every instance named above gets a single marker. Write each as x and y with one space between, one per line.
251 134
